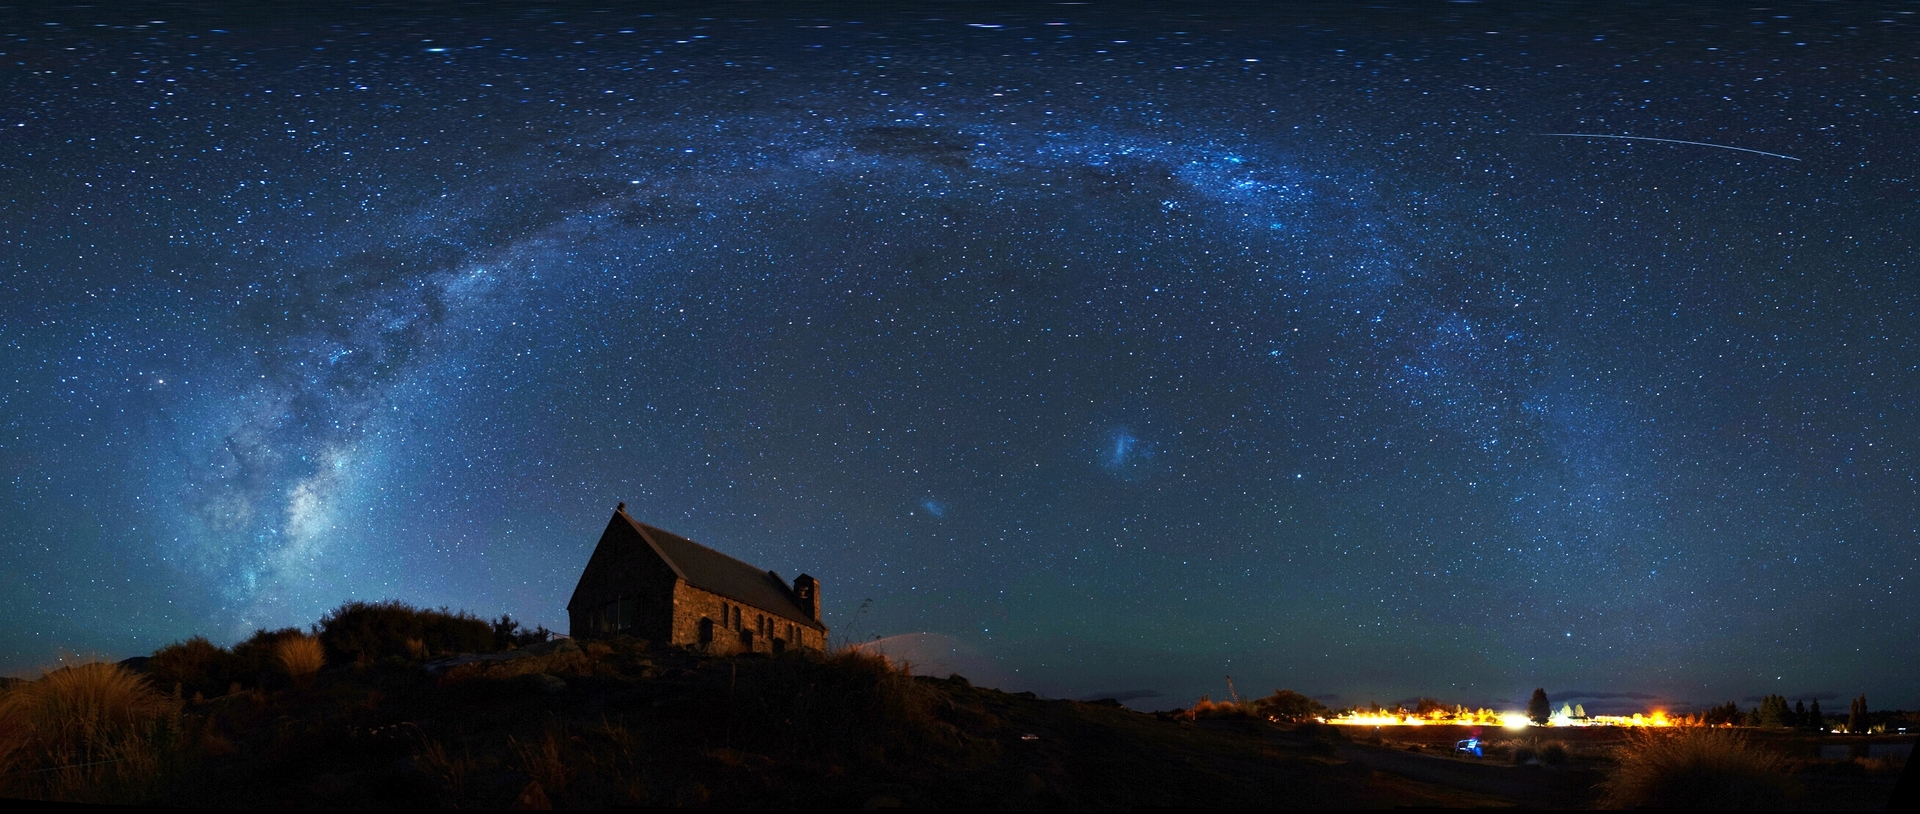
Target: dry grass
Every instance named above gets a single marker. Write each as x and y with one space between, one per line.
433 758
547 771
91 732
1698 767
300 656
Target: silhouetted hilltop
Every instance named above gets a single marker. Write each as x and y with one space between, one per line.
385 705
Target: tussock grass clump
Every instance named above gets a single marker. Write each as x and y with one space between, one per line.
1697 767
300 656
94 732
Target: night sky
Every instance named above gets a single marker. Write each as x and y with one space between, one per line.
1107 349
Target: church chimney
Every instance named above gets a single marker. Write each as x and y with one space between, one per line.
807 590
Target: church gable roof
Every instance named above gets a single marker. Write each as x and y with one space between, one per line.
710 570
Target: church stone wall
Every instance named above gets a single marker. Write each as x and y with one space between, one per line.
692 606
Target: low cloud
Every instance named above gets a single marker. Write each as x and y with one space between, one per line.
1121 695
1805 696
1603 696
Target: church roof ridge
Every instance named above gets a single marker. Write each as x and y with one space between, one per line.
711 570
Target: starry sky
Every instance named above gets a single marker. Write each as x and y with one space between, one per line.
1089 348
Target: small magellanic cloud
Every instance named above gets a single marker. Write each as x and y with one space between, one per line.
934 507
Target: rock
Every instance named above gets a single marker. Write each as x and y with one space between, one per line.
557 646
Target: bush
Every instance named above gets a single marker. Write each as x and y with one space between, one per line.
848 701
256 661
1522 754
1554 754
366 632
508 633
195 665
92 732
1697 767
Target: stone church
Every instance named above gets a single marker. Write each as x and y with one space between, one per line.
667 589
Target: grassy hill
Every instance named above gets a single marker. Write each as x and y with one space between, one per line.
385 705
372 709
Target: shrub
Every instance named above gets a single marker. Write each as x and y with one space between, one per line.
195 665
91 732
365 632
1522 754
256 661
1697 767
508 633
1554 754
300 656
846 702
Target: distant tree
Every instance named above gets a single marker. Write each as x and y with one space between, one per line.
1426 707
1727 714
1538 707
1814 718
1287 705
1799 714
1579 710
1773 712
1857 715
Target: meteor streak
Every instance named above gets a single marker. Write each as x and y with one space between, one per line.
1669 141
